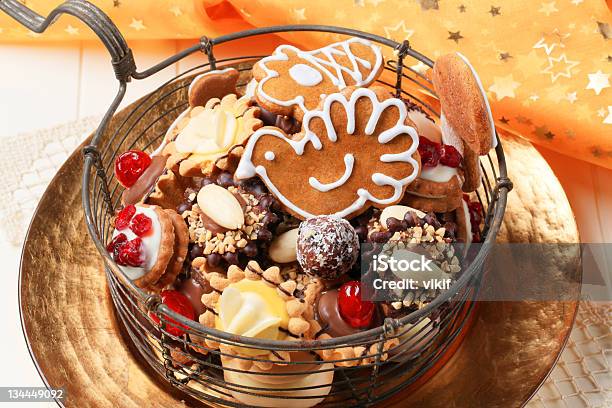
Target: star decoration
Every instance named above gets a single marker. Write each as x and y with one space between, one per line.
116 3
552 62
571 97
504 87
549 135
300 14
137 25
608 119
505 56
598 81
455 36
601 112
534 97
462 8
576 2
552 40
504 120
495 11
399 32
71 30
375 17
540 131
176 10
429 4
605 30
609 58
548 8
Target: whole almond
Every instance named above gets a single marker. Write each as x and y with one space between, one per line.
283 248
398 212
221 206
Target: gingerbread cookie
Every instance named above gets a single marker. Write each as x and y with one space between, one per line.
465 108
168 192
292 82
181 241
358 150
212 84
207 132
142 243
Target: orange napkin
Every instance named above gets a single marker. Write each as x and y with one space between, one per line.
546 64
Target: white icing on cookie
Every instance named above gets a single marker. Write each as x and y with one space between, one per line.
305 75
349 162
216 71
269 155
323 60
169 132
249 92
439 173
485 99
150 243
247 169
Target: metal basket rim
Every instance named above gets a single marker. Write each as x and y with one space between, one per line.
153 303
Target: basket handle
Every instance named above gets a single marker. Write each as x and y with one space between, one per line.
121 55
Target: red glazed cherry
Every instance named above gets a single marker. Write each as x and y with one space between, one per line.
179 303
449 156
429 151
130 254
141 225
123 218
115 245
356 312
130 165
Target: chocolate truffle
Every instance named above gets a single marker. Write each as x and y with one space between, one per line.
327 246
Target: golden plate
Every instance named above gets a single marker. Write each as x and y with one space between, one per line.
77 344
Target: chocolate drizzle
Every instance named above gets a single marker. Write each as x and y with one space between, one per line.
331 321
251 269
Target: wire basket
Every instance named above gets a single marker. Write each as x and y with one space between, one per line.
424 335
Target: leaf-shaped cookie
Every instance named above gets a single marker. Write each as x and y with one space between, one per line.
359 149
292 81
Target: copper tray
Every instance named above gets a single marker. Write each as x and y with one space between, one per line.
76 343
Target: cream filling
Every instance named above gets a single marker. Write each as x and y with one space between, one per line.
150 244
209 131
439 173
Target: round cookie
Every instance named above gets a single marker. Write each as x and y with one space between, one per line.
428 204
143 256
464 103
181 242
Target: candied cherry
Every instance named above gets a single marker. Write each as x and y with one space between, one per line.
429 151
141 225
130 253
115 245
123 218
178 303
355 311
449 156
130 165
